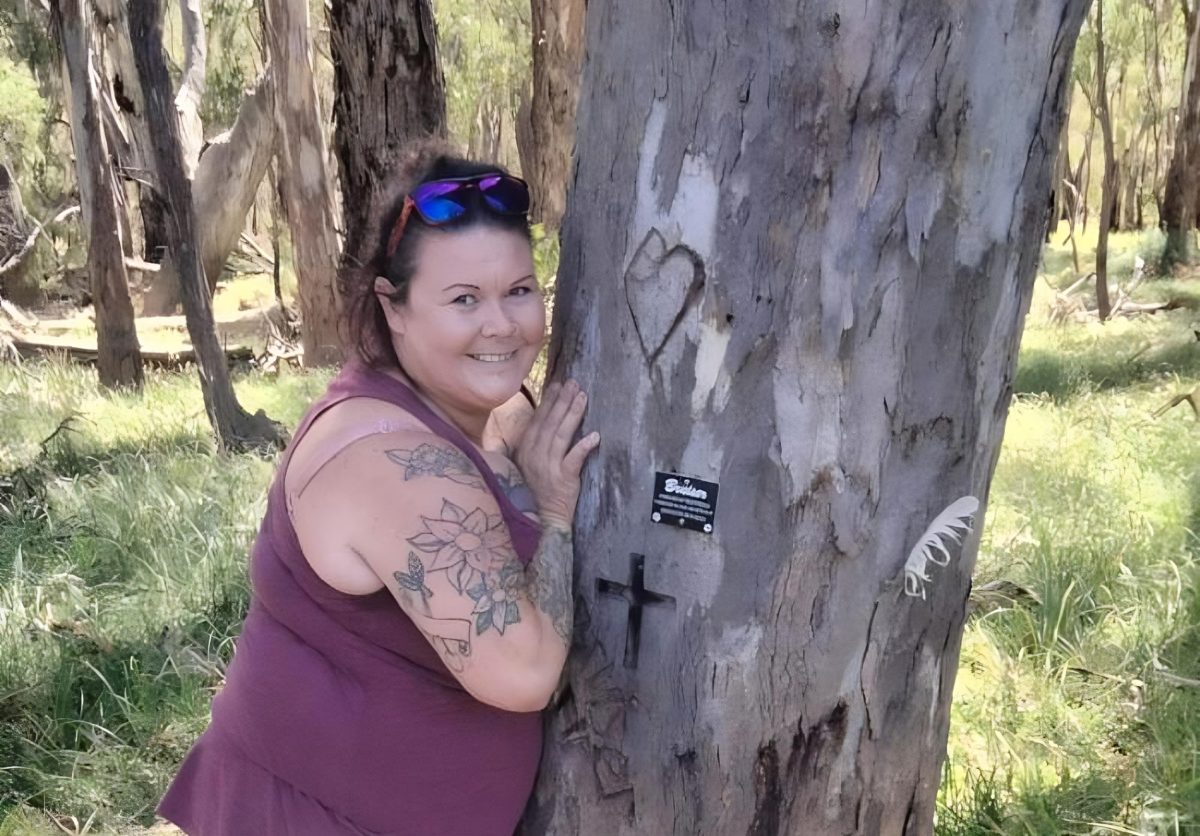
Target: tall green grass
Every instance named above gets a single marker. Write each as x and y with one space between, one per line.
123 537
1077 705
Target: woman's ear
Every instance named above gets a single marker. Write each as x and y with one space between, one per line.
392 311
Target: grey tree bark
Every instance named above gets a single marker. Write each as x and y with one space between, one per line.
305 182
1181 198
1108 184
389 89
234 427
119 361
800 244
547 140
128 133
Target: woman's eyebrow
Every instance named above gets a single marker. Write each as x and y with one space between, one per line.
461 284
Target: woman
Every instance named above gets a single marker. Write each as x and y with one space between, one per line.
412 602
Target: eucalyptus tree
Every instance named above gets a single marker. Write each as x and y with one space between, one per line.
798 250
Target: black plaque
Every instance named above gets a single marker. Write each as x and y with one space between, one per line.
684 502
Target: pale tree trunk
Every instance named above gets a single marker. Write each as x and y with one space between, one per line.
1108 185
810 289
1181 199
191 87
118 356
226 180
234 427
389 89
119 73
547 140
305 181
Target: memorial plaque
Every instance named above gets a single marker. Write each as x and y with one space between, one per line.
684 502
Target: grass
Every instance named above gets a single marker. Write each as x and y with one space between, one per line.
122 584
1077 705
123 538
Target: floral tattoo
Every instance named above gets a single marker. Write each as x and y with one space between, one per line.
472 549
431 460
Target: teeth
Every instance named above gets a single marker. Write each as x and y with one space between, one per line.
494 358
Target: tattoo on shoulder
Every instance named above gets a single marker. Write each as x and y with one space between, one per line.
414 579
432 460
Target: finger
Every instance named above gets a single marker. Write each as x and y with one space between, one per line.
558 410
538 422
573 462
560 441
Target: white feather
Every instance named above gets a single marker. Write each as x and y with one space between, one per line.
951 524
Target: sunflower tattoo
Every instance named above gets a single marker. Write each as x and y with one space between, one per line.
471 548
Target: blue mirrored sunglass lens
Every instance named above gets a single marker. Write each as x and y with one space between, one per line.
506 195
436 210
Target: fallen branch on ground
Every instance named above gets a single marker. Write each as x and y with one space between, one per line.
30 347
1192 397
14 261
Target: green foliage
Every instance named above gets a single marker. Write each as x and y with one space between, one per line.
22 113
485 55
232 28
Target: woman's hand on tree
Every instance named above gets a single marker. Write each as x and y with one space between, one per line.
549 462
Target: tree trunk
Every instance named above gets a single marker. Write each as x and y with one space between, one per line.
235 428
1181 200
118 362
557 27
303 174
14 229
191 87
389 90
119 73
227 180
1108 185
808 288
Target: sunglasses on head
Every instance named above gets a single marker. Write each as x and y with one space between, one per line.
439 202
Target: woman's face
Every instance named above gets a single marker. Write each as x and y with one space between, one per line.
474 320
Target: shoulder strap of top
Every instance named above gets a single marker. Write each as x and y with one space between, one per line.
357 380
402 395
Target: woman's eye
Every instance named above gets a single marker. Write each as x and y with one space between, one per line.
522 291
465 299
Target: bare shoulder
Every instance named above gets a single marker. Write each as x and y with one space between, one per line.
329 435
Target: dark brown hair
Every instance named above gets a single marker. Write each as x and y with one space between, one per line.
366 327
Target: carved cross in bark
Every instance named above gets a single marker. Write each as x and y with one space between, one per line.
637 596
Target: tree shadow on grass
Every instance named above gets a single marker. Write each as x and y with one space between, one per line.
1061 375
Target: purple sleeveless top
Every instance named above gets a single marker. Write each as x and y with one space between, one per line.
337 716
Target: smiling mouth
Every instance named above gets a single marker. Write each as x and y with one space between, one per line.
493 358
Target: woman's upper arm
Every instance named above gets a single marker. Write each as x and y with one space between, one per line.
420 515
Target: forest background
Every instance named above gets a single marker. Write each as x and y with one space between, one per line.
123 535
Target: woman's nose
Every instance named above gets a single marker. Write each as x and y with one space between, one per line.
497 322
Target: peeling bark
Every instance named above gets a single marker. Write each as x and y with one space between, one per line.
389 89
227 180
305 182
801 246
118 361
234 427
191 88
